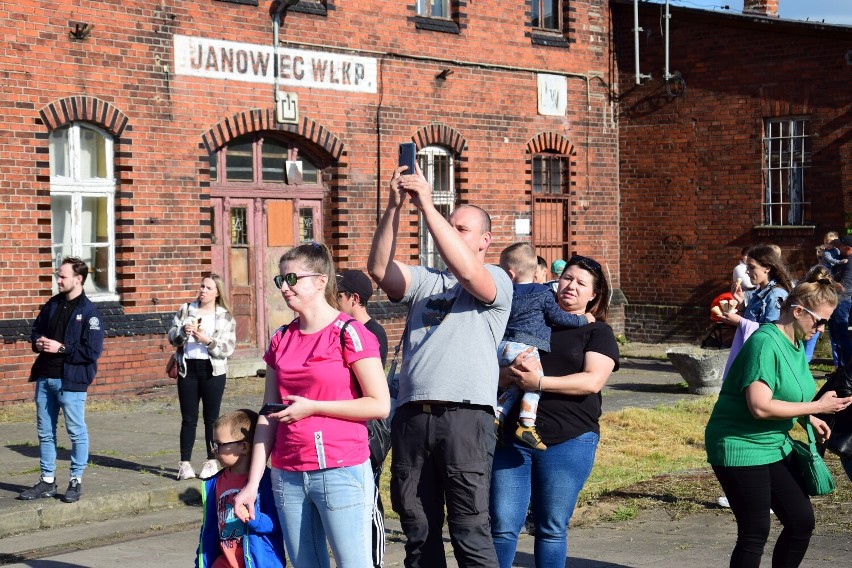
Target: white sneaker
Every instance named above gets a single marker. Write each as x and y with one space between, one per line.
185 471
211 468
723 502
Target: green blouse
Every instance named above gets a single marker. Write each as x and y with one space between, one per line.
733 436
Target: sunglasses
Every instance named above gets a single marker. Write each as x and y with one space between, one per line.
818 321
218 446
585 263
290 278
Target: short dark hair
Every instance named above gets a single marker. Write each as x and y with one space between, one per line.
79 267
599 305
240 422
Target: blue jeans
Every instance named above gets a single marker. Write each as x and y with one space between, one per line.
838 327
554 479
49 398
336 503
847 467
810 345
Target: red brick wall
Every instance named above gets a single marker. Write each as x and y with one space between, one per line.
691 185
162 239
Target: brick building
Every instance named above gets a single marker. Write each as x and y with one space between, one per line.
748 141
145 137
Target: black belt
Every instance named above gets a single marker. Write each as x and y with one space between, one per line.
442 407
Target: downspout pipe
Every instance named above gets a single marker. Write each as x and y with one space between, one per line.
636 30
277 16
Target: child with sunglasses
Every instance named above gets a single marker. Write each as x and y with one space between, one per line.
225 540
533 308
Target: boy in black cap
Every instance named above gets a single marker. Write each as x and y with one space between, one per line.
354 289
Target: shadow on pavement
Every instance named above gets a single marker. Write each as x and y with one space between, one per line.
527 560
63 454
678 388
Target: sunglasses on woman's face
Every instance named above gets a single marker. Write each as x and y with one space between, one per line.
585 263
290 278
818 321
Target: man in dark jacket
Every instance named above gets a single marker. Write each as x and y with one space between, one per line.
68 336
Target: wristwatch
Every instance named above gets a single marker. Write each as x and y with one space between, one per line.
61 349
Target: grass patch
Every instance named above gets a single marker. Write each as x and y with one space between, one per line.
638 444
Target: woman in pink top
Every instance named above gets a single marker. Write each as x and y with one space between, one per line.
321 476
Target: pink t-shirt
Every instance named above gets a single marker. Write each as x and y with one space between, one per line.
313 366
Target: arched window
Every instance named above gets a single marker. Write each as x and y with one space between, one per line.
259 160
438 167
551 183
82 193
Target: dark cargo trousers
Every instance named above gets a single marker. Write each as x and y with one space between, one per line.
442 454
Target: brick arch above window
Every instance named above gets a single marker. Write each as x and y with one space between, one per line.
258 120
440 135
85 109
550 142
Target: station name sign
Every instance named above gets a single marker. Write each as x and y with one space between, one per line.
235 61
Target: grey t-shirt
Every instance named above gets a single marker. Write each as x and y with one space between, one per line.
449 353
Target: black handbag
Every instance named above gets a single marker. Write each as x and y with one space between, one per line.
378 430
840 441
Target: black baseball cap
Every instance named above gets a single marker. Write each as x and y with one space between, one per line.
355 282
845 240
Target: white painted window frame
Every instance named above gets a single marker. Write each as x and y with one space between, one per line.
77 189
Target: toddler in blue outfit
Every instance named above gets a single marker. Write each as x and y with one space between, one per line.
534 308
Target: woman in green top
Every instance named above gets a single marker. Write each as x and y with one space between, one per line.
768 386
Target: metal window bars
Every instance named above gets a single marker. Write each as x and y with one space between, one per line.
786 155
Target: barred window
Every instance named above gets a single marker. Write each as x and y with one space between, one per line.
786 155
438 168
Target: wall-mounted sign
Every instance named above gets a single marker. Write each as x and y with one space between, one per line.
234 61
552 95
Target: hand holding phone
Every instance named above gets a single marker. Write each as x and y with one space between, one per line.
273 407
408 157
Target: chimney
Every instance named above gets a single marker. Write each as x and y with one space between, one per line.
767 8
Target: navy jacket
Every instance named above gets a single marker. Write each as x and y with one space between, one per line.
84 342
534 310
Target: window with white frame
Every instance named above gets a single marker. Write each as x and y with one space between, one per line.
438 168
547 14
786 155
82 211
433 8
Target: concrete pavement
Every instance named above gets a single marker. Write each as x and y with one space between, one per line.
134 458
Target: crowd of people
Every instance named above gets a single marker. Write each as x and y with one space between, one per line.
296 479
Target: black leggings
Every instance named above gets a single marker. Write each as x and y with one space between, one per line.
199 384
751 491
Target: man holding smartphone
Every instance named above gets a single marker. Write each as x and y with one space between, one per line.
448 381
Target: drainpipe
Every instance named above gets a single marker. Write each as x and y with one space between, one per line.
280 14
636 30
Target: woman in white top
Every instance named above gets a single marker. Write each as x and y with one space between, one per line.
204 332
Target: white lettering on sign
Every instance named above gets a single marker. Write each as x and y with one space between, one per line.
233 61
552 95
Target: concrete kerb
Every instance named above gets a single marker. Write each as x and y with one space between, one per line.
52 513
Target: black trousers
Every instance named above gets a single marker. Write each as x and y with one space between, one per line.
199 385
442 455
752 491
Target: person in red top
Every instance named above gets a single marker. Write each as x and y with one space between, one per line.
321 475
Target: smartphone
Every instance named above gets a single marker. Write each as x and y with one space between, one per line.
272 407
407 157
